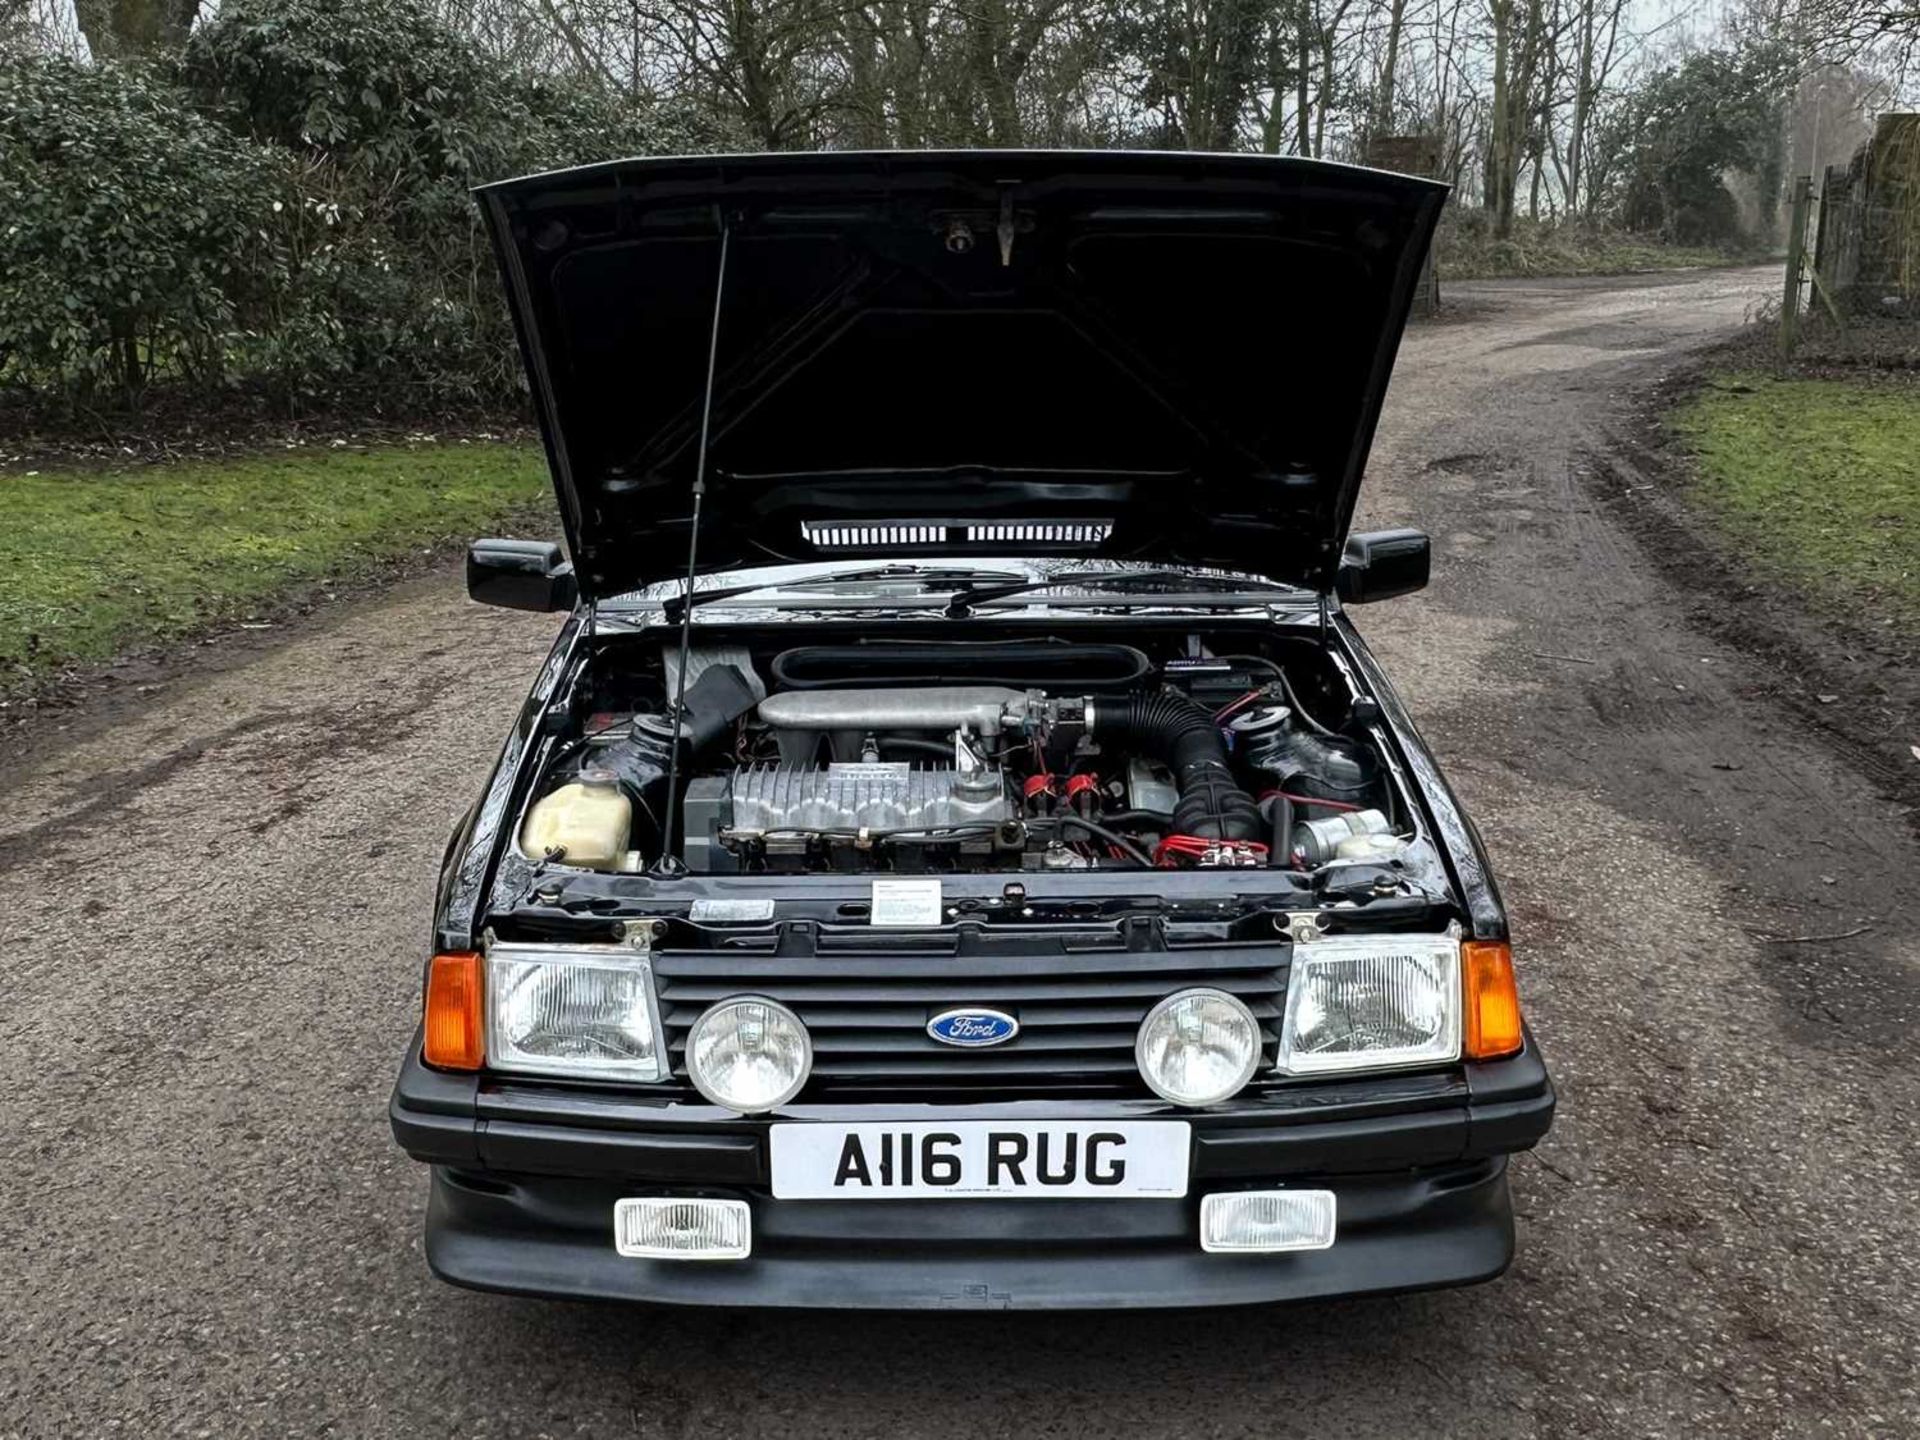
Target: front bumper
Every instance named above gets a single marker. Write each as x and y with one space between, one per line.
525 1178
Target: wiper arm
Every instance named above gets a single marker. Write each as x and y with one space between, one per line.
963 601
677 605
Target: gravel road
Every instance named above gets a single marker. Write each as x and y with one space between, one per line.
216 895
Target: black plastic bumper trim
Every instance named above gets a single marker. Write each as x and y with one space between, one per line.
687 1159
1365 1124
553 1237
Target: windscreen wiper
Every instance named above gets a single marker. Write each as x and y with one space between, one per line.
676 606
1177 582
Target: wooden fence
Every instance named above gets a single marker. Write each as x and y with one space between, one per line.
1866 252
1836 243
1866 235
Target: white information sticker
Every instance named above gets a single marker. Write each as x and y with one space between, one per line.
905 902
722 911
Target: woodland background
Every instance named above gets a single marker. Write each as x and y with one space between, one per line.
267 199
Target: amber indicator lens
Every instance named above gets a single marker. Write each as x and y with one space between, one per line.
453 1023
1493 1001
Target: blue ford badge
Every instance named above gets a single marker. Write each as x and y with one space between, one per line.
973 1027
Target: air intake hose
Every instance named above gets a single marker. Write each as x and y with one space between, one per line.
1181 732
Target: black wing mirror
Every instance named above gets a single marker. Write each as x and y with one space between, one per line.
521 575
1380 564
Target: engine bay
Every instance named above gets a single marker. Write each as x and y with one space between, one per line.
920 756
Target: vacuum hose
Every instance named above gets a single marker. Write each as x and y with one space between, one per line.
1180 731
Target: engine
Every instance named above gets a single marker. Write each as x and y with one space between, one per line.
786 811
958 776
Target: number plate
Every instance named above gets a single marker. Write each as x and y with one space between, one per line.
981 1160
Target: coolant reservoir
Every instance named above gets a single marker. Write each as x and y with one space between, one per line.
587 820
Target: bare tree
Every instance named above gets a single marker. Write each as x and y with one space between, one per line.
1389 67
1522 95
770 63
1596 40
1852 30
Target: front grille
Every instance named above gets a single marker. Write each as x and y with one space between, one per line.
1078 1014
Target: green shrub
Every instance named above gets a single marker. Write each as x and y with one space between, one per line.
137 238
1692 124
287 205
395 116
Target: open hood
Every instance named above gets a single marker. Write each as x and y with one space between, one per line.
1164 358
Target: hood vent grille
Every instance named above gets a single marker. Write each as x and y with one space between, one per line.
1047 532
954 534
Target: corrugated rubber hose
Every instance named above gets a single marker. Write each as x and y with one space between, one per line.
1181 732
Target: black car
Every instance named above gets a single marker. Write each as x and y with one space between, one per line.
958 851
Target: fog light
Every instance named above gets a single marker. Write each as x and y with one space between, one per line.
1267 1221
662 1227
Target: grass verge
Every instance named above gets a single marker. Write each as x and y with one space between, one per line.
1818 480
97 562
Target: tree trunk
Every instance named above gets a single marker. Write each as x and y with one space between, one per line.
1527 104
750 71
1326 95
133 377
1327 31
996 68
1214 61
1599 45
129 29
1389 63
1303 141
901 81
866 98
1273 125
1497 192
1515 64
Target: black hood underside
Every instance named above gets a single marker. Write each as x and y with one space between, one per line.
1168 358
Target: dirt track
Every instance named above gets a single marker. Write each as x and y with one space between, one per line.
215 907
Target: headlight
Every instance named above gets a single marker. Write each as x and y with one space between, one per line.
583 1011
749 1054
1372 1002
1198 1047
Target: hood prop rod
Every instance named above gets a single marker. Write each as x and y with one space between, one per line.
669 864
